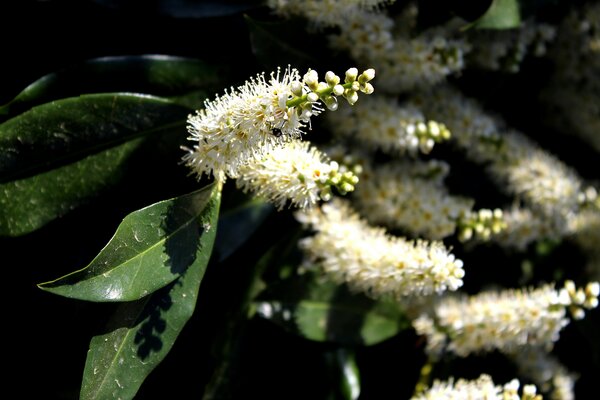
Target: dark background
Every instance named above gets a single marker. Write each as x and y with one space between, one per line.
46 337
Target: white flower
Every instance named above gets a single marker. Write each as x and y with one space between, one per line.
381 123
411 197
483 388
503 321
239 126
252 120
348 250
296 173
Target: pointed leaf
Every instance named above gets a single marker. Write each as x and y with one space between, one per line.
502 14
323 311
59 132
158 75
151 248
141 333
30 203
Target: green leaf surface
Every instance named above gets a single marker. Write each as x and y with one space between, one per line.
502 14
150 249
324 311
59 132
30 203
158 75
237 225
141 333
344 369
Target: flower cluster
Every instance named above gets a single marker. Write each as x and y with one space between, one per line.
350 251
248 122
296 173
479 389
411 197
505 320
382 124
481 223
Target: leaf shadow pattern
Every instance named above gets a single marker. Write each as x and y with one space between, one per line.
182 244
153 324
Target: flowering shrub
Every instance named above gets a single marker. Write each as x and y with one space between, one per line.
347 198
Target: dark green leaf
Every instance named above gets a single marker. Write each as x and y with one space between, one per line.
158 75
502 14
323 311
187 8
142 332
29 203
237 225
56 133
151 248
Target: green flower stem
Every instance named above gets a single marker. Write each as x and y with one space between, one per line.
322 93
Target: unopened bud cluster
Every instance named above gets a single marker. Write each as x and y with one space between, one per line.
481 224
329 90
578 300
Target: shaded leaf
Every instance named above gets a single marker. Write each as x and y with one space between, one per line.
59 132
158 75
237 225
187 8
502 14
30 203
141 333
150 249
323 311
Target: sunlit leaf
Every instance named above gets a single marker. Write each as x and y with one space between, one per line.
150 249
502 14
141 333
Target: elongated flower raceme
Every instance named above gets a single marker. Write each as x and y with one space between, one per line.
246 123
296 173
350 251
411 196
505 320
382 124
482 388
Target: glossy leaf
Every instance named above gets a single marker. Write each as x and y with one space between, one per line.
345 371
502 14
158 75
29 203
141 333
62 131
150 249
323 311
